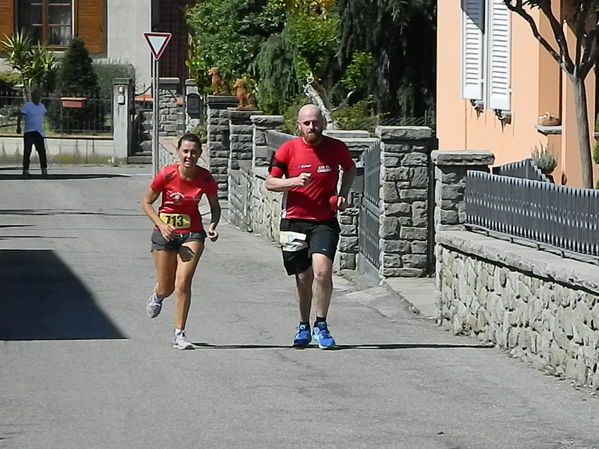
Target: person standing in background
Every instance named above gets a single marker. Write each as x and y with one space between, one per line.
33 113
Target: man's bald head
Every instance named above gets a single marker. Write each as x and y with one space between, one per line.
310 123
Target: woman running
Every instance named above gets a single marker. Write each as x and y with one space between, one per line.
178 236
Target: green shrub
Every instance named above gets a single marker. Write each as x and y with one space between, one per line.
543 158
8 79
76 78
358 116
106 72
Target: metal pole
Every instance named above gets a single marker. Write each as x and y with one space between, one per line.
155 112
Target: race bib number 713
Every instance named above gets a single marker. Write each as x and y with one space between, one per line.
178 221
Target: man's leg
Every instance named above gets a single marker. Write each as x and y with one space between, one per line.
303 283
27 144
40 147
322 267
323 289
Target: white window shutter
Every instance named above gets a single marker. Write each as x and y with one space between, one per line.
472 49
499 50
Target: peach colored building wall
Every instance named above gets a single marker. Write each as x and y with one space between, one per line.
538 86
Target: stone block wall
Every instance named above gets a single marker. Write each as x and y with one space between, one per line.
538 306
266 207
218 139
262 123
450 184
405 232
170 108
241 133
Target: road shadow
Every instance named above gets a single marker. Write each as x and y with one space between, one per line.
42 299
58 176
366 346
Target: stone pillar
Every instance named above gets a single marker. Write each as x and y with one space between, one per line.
171 121
218 139
241 132
260 153
122 124
406 243
450 184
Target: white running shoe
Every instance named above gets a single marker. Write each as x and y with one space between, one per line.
153 308
181 342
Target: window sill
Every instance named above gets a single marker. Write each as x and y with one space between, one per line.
547 130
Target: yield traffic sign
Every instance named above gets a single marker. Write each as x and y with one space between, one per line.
157 42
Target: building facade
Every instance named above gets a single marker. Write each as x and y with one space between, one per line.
496 83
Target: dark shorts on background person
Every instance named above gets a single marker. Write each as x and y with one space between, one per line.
159 243
301 238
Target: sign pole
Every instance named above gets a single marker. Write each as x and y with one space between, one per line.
155 121
157 43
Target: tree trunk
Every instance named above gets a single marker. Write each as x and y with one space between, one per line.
582 125
318 101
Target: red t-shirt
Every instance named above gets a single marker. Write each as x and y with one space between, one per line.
322 161
181 198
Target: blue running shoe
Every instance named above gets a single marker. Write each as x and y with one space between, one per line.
322 336
303 336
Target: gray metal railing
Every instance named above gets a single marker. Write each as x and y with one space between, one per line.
525 169
545 214
93 116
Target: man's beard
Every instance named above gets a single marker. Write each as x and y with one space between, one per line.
312 138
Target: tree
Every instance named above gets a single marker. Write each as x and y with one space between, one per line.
401 37
580 15
35 64
228 34
76 74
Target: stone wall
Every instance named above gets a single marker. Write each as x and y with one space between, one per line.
218 139
405 231
538 306
450 184
170 108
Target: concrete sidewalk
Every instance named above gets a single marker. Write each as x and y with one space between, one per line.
82 366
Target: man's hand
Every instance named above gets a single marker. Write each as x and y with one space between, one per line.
342 203
302 180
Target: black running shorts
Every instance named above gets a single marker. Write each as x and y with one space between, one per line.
301 238
159 243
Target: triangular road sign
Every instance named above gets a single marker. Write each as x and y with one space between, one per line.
157 42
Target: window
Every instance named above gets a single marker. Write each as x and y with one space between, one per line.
48 22
486 55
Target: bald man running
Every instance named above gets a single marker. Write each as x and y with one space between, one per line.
306 170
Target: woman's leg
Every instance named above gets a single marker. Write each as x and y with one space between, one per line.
187 261
165 263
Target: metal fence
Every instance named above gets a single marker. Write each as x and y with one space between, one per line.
525 169
547 215
66 115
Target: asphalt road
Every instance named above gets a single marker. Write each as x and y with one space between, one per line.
81 366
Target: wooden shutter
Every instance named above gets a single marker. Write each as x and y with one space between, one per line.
499 47
472 49
90 25
7 26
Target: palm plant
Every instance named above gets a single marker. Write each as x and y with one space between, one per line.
35 64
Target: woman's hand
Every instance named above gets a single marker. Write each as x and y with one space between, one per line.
167 231
212 234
